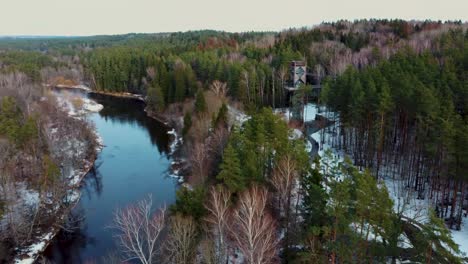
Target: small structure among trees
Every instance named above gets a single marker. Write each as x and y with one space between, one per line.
304 83
295 88
298 75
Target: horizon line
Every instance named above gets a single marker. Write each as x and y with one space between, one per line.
26 36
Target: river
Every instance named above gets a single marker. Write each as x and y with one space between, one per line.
133 164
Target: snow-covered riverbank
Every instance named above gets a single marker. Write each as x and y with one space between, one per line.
76 107
177 165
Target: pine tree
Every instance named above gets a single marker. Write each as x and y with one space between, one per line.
231 174
222 117
187 124
385 105
190 202
179 83
200 103
315 197
435 243
155 98
339 210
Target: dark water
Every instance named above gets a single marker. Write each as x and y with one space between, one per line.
133 164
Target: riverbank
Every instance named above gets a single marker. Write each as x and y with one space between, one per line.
122 95
134 164
29 254
85 88
179 167
44 236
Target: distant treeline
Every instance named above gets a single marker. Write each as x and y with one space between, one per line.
253 64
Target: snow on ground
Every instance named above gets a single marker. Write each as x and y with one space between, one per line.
371 236
285 113
237 116
33 250
76 105
310 111
323 137
176 172
20 199
28 197
296 134
308 146
73 196
461 237
405 199
236 257
99 141
175 142
79 87
91 106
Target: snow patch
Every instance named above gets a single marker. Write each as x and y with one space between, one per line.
34 249
237 116
296 134
405 200
92 106
285 113
310 112
72 147
461 237
76 105
29 197
175 142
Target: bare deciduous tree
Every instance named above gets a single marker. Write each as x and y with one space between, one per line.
284 180
218 208
180 244
219 89
254 229
199 161
151 72
282 73
208 254
138 230
319 72
218 141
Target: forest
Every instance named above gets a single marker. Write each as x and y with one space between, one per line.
408 116
39 147
395 91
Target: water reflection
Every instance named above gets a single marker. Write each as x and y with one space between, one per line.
93 183
131 112
73 238
133 164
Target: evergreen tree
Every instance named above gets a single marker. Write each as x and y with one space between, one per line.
315 197
200 103
155 98
190 202
222 117
434 243
231 174
187 124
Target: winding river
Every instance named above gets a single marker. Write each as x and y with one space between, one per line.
133 164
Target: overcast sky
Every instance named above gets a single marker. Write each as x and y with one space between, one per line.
91 17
